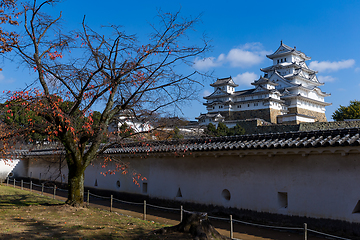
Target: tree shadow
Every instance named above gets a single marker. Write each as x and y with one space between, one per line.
19 200
36 229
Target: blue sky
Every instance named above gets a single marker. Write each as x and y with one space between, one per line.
242 33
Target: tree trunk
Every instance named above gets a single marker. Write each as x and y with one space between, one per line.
197 224
75 186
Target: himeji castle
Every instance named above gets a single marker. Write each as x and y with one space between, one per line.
288 92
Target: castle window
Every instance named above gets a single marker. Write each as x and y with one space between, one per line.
248 105
278 61
283 199
256 104
285 60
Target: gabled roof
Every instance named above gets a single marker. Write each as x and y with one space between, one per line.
263 80
286 50
210 115
218 93
223 82
277 76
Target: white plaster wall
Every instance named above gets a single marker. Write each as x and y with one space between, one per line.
321 186
7 166
317 185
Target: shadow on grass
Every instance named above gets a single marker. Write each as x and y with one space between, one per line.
36 229
18 200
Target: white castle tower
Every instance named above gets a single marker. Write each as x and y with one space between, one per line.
287 93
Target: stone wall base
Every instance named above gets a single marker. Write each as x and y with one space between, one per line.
268 115
320 117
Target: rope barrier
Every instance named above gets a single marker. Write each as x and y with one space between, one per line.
267 226
99 196
64 190
204 214
225 219
127 202
165 208
328 235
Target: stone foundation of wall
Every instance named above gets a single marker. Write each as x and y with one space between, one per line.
320 117
250 114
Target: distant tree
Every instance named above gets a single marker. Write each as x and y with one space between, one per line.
347 112
125 131
237 130
211 129
177 134
223 130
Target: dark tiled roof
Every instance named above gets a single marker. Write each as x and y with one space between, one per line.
224 81
310 139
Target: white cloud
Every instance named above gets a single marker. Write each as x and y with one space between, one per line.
245 78
326 79
5 80
206 63
331 66
206 93
246 55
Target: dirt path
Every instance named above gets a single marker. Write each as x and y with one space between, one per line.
241 231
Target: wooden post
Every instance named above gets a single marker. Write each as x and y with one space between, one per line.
231 228
54 191
144 209
22 183
305 231
181 213
88 198
42 189
30 186
111 202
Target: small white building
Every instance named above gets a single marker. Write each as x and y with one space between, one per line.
128 118
287 93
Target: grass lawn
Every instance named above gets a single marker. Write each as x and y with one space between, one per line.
26 215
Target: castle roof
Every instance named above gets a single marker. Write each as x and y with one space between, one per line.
281 140
223 82
263 80
286 50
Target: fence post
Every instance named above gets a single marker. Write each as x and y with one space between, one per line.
42 189
30 186
231 228
88 197
305 231
144 209
54 191
111 202
7 181
181 213
22 183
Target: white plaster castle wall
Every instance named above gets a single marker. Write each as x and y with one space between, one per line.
321 186
313 185
7 166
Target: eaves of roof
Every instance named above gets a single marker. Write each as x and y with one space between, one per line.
286 140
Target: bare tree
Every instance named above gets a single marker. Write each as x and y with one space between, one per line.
79 69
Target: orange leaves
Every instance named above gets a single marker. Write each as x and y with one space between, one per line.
54 55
